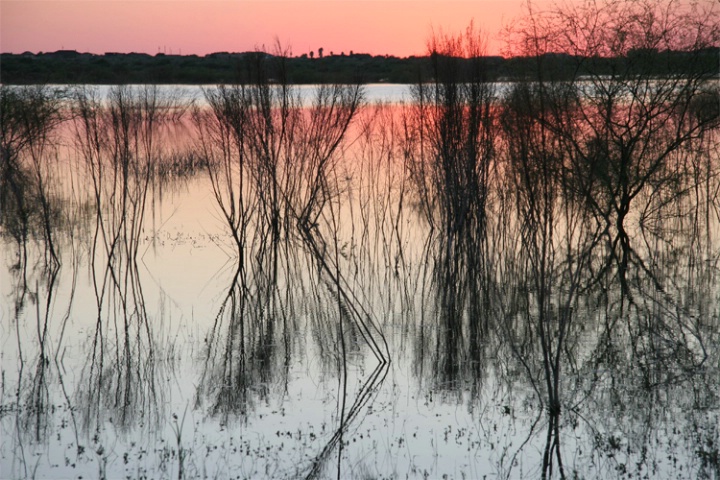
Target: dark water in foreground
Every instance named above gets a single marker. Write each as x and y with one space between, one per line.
377 347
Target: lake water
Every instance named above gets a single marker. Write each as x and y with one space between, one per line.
365 342
386 93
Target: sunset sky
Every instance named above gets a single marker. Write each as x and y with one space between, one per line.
204 26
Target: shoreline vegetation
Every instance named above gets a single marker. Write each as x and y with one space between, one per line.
70 66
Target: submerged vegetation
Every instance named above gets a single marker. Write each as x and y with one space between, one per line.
543 253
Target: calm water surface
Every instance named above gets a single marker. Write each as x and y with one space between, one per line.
386 349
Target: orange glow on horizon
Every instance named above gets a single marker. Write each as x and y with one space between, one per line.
398 27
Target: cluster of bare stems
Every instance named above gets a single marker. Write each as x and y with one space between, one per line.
586 154
555 171
275 163
29 208
121 147
451 131
273 159
29 117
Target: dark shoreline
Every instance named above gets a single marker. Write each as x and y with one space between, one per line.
69 66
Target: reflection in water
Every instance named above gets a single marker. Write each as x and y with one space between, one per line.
348 415
119 143
455 335
273 168
37 218
30 117
250 342
356 331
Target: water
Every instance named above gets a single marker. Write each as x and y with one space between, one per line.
374 93
373 346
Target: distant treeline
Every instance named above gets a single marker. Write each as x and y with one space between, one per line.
69 66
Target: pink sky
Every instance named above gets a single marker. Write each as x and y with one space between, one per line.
204 26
